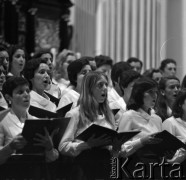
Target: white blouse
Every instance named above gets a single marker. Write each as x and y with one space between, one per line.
71 146
10 127
141 121
39 101
176 126
70 96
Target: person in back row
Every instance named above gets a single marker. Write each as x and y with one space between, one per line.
76 72
17 60
135 63
168 91
52 88
168 67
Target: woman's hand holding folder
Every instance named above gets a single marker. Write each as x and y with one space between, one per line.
150 139
45 140
18 142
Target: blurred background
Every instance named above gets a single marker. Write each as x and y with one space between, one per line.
150 30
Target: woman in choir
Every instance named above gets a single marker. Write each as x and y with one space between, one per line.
17 59
168 90
76 71
37 72
17 93
176 124
63 60
90 158
139 117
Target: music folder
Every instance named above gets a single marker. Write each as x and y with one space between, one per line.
42 113
34 126
115 111
169 143
99 131
53 98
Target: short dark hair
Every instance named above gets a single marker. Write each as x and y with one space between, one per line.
162 83
177 110
12 83
30 67
134 59
89 59
74 68
165 62
103 60
11 52
117 69
150 72
127 77
140 86
41 52
2 48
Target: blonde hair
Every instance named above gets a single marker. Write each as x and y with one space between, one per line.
88 104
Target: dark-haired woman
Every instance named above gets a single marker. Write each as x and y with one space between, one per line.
139 117
176 124
168 90
16 61
76 72
37 72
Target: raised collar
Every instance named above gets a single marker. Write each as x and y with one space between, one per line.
142 113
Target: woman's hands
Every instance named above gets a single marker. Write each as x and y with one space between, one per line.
18 142
150 139
177 157
45 140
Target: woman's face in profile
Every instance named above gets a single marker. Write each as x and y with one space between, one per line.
150 97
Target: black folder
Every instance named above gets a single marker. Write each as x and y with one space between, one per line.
115 111
33 126
42 113
99 131
169 143
62 111
53 98
2 108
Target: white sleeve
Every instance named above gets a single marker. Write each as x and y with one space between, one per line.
68 145
168 125
5 150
